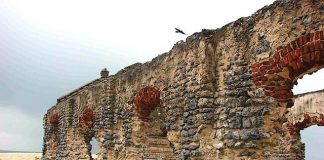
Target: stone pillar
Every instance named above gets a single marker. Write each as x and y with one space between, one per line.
45 138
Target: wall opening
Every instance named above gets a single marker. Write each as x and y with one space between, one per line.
313 139
310 83
94 148
312 135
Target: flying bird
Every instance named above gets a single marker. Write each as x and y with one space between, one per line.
179 31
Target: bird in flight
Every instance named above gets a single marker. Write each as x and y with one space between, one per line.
179 31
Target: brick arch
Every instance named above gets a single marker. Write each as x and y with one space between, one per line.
87 119
86 132
54 120
308 120
297 147
146 100
279 73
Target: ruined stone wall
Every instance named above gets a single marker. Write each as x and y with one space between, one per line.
309 104
224 94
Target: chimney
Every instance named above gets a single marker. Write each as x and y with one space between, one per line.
104 73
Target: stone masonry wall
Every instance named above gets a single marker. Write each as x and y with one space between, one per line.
224 94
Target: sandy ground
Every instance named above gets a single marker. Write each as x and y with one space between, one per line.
20 156
24 156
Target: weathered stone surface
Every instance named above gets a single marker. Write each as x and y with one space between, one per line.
224 94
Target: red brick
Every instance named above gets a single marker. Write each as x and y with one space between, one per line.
267 92
261 73
270 88
276 69
292 76
285 51
284 94
255 69
282 65
297 53
321 35
311 47
312 56
276 57
322 58
294 65
277 95
317 36
265 63
311 37
271 61
306 49
289 49
256 65
282 87
286 101
305 40
306 57
271 71
317 45
289 57
273 94
257 74
299 64
308 37
299 41
282 53
317 56
285 60
279 48
263 68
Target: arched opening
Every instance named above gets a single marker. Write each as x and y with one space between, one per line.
86 123
146 101
310 83
312 137
311 133
151 112
94 148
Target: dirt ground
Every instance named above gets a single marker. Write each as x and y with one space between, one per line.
20 156
25 156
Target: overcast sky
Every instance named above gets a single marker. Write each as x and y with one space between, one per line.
48 48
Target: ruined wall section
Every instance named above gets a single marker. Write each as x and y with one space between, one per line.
307 111
215 88
182 77
307 107
70 138
248 118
